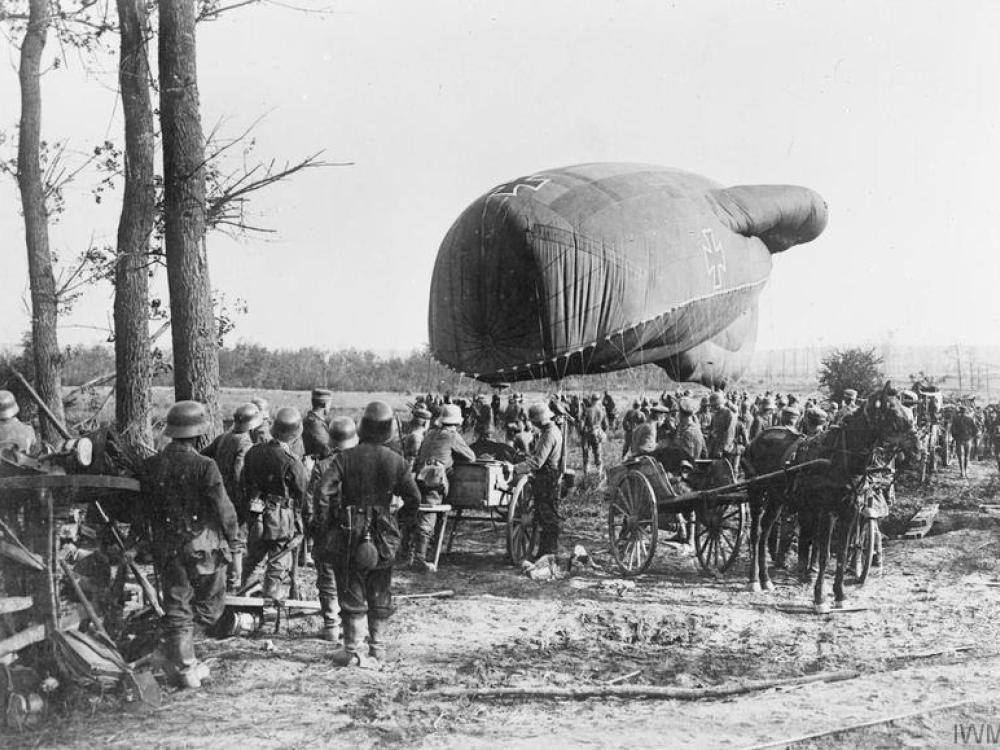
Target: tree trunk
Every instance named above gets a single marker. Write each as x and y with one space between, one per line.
132 357
196 360
45 343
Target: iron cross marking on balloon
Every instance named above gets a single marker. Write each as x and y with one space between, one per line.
715 258
511 188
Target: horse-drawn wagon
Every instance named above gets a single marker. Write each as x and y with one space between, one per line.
700 501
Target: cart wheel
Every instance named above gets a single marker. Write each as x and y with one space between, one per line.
522 528
862 552
633 523
718 532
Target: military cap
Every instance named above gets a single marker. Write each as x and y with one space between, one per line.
287 424
8 405
322 394
186 419
539 414
815 415
246 417
660 409
451 414
687 406
419 413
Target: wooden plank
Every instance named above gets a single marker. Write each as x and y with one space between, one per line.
26 637
257 602
14 604
68 482
921 522
19 555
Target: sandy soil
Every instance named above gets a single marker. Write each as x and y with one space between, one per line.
673 626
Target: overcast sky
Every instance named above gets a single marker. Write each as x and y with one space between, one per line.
890 110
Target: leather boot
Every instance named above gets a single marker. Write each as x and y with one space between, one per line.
376 639
420 564
349 653
234 578
190 672
331 628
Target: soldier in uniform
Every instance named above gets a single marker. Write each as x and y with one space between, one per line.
688 437
646 436
192 525
593 426
274 492
764 417
12 430
229 451
315 430
441 447
343 435
544 464
361 534
515 413
814 421
632 419
415 437
721 430
262 432
482 418
849 407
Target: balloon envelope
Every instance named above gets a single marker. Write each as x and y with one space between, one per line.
601 267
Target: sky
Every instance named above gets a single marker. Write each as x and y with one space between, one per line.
890 110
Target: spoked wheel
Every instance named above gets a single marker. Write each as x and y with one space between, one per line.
864 533
522 526
633 524
718 532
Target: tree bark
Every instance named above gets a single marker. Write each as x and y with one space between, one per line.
132 347
44 312
195 350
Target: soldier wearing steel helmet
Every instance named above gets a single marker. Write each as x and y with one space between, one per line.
440 449
315 430
229 451
361 534
721 437
343 435
262 432
544 464
274 488
415 437
12 430
192 525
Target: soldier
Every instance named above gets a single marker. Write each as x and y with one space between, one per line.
964 430
632 419
764 417
721 430
610 410
814 421
315 431
343 435
593 425
688 436
12 430
192 526
495 406
519 438
274 491
789 416
849 407
415 437
229 451
361 534
645 437
482 418
544 464
441 447
704 416
515 413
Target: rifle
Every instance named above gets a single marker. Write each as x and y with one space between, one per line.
254 578
152 596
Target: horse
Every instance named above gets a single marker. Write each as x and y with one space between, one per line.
824 495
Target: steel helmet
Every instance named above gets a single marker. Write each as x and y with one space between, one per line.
246 418
715 399
343 432
539 414
376 423
8 405
451 414
287 424
186 419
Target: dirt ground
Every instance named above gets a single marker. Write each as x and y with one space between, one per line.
925 643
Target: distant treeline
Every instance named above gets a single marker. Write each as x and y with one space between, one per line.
248 365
